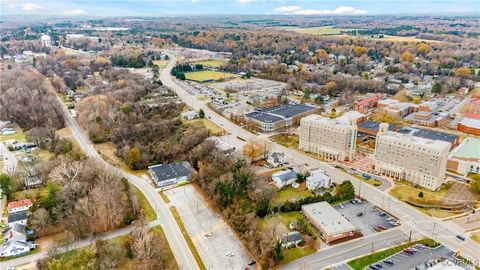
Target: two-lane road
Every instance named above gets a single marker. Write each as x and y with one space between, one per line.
444 232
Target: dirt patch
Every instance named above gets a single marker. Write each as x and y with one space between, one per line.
461 193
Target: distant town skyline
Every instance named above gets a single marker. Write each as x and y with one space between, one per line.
279 7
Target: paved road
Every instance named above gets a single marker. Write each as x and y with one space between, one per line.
345 251
9 166
183 255
177 242
443 231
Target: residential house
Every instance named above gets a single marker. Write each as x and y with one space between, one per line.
276 159
190 115
15 242
169 174
18 206
292 239
284 178
17 218
318 179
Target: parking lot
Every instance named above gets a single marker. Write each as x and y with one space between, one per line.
218 247
366 216
420 260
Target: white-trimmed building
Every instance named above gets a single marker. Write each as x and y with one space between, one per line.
328 138
318 179
419 160
284 178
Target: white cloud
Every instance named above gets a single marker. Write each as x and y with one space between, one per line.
288 9
245 1
26 6
75 12
296 10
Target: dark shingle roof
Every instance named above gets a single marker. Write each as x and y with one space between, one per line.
263 117
288 110
374 126
429 134
17 216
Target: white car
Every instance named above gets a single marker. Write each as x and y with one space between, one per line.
229 254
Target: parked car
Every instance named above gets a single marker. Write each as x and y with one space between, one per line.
366 176
408 251
389 262
252 262
359 214
378 265
382 214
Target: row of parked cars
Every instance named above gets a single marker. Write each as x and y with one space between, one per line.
389 262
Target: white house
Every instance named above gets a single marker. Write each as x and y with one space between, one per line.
15 242
276 159
190 115
284 178
46 40
318 179
17 218
17 206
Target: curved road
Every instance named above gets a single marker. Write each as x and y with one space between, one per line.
177 242
443 231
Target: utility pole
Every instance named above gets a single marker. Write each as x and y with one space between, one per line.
410 236
433 231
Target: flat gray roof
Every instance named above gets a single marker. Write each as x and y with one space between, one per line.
329 219
164 172
279 112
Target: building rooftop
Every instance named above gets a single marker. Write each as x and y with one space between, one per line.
17 216
164 172
470 122
350 116
263 117
322 119
429 134
330 220
470 148
288 110
17 204
425 142
374 126
286 175
367 99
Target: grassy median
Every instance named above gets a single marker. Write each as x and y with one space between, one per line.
192 247
147 209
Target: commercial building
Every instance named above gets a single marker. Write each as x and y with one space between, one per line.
366 103
332 226
329 138
465 158
169 174
404 156
470 125
276 118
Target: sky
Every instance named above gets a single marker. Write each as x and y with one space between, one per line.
286 7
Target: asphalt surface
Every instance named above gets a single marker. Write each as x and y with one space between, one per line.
332 255
177 242
442 231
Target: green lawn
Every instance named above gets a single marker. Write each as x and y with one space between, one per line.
363 262
210 62
208 75
290 192
292 254
144 204
291 141
161 63
18 136
214 128
192 247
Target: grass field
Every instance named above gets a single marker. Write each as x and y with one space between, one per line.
192 247
208 75
291 193
322 30
210 62
145 205
404 39
18 136
291 142
363 262
214 128
476 237
292 254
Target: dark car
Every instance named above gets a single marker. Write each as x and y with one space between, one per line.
460 237
378 265
389 262
372 267
252 263
359 214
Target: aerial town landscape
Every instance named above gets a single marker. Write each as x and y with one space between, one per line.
240 135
